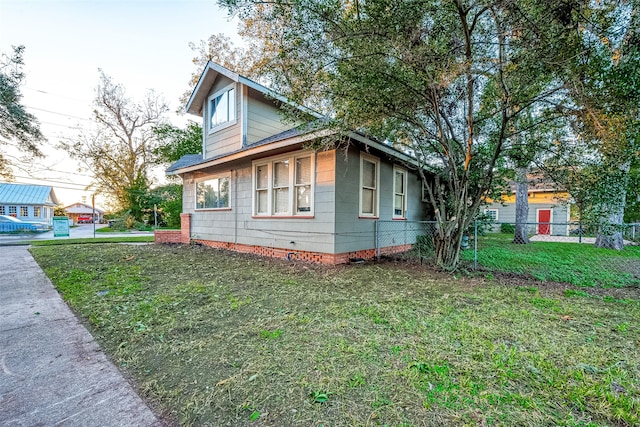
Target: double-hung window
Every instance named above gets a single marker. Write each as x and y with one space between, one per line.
369 184
492 214
36 211
399 192
2 211
213 193
222 108
13 210
284 186
24 211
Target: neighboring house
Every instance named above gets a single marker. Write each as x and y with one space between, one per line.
549 207
81 212
257 187
28 202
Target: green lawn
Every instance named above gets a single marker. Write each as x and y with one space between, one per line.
215 338
578 264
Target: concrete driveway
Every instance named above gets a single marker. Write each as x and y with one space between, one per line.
52 372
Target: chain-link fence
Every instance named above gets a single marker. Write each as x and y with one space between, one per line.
560 252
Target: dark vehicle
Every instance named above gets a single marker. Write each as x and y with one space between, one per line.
9 224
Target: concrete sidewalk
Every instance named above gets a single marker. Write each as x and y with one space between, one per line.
52 372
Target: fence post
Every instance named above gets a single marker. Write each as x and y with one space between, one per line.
376 226
475 244
580 232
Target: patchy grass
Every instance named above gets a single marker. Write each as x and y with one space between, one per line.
578 264
215 338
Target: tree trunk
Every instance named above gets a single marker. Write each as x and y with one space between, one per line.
610 229
447 242
521 236
609 234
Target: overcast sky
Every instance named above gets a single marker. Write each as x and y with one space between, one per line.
142 44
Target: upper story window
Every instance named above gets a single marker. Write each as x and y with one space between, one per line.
213 193
222 108
369 184
284 186
399 192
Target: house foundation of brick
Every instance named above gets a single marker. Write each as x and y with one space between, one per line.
183 236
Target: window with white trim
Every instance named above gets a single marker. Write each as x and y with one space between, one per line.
13 210
369 183
284 186
213 193
24 211
2 211
36 211
399 192
492 213
222 108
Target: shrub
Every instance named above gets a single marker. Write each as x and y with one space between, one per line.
507 228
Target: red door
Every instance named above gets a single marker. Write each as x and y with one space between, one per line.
544 219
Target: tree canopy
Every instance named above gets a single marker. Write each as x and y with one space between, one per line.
18 128
451 82
174 142
119 150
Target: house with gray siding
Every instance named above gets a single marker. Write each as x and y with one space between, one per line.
258 187
28 202
549 207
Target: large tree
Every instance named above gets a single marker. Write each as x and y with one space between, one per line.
119 150
447 81
604 85
18 128
173 143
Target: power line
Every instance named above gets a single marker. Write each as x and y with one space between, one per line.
57 124
56 95
59 114
58 186
53 180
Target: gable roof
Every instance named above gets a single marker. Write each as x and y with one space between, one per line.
291 137
81 208
212 71
27 194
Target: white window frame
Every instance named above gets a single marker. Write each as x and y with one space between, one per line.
2 210
292 186
376 191
398 169
219 176
13 211
214 128
37 212
496 210
24 211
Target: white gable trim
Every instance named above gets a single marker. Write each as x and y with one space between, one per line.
199 94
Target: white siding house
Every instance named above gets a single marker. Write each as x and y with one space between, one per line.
258 188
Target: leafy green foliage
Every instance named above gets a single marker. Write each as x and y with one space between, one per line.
18 128
466 87
173 142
